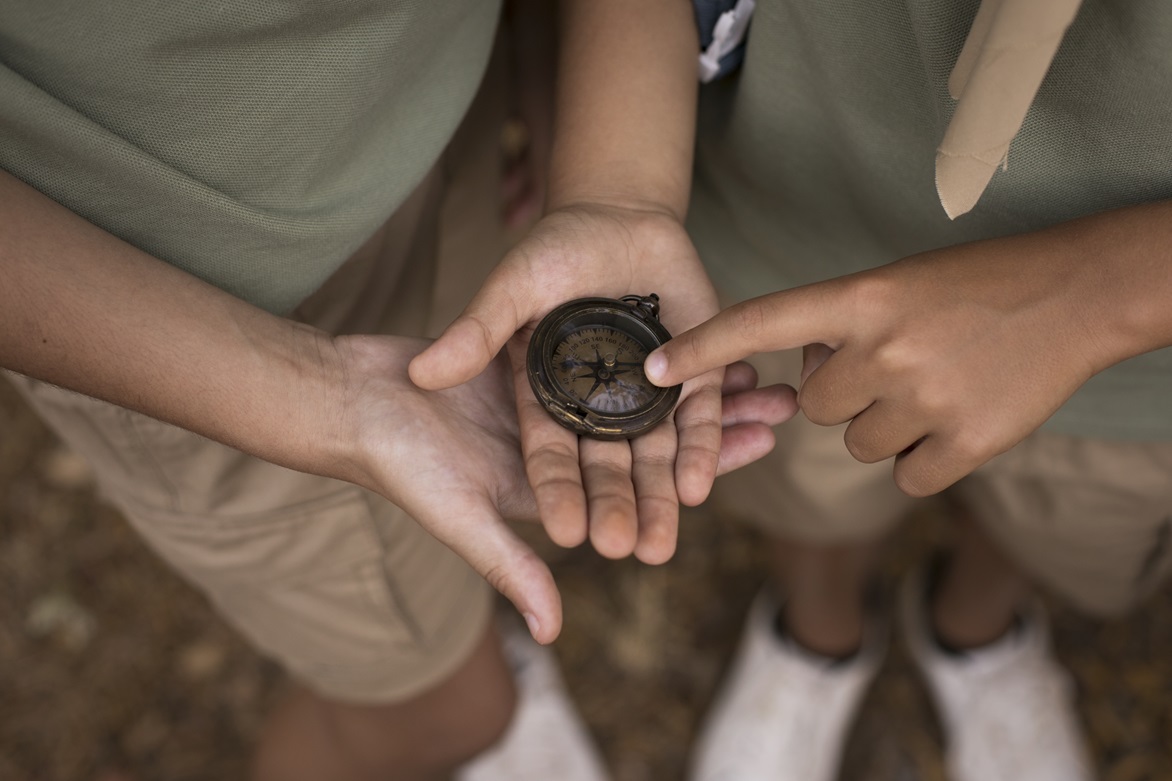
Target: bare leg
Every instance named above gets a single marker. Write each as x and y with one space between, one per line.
309 738
824 591
977 596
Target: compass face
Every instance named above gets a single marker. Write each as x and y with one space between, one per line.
602 369
585 365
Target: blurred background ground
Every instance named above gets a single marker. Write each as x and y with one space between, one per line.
110 665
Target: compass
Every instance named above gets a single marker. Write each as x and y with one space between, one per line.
586 366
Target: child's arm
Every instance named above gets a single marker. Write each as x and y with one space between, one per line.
626 109
81 309
948 358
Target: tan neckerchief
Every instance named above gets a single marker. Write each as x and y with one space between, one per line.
995 79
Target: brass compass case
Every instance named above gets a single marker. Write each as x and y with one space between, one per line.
586 366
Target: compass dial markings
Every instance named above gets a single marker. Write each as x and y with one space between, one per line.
598 355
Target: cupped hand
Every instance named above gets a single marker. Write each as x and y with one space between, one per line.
452 460
624 496
942 360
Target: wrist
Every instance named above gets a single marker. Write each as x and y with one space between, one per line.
629 204
669 199
1126 280
338 435
290 406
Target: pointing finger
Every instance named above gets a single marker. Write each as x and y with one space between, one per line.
778 321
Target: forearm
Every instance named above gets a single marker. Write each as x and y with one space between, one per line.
81 309
626 103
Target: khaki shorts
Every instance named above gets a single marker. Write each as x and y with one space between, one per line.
340 586
1087 519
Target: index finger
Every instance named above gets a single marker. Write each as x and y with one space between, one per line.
777 321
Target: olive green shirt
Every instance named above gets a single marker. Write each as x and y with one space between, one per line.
817 159
253 144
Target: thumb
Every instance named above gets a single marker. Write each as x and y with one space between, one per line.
813 356
513 569
468 345
778 321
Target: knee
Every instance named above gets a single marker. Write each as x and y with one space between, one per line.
424 737
430 735
447 737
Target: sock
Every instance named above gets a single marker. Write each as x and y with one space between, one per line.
783 634
935 572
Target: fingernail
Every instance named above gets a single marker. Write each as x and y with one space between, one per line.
656 366
534 624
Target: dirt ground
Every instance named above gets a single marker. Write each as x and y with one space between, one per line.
112 668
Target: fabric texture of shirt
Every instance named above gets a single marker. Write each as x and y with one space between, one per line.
255 145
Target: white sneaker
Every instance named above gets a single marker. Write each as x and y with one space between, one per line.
547 739
1007 709
784 712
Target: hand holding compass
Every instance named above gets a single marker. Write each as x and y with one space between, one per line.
622 494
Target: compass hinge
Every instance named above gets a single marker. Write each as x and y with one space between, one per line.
646 307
